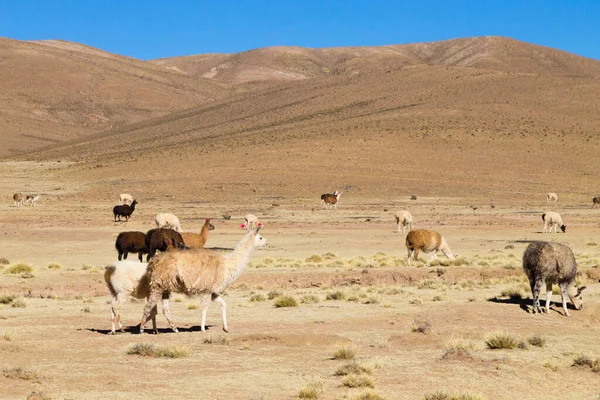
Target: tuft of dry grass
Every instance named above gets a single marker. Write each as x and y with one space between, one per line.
315 258
38 396
551 367
274 293
353 368
584 361
4 261
358 381
458 348
19 373
192 306
421 326
8 336
7 298
150 350
311 391
18 303
537 341
513 293
502 340
310 299
343 351
54 266
258 297
368 396
20 268
451 396
222 340
285 301
337 295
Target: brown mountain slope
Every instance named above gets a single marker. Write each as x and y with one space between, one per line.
52 91
431 130
295 63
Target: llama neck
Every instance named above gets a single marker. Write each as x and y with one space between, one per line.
204 231
239 258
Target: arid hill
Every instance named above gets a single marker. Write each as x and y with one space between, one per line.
54 91
471 117
295 63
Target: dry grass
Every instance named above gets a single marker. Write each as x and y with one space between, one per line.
311 391
18 303
220 340
274 293
368 396
458 348
20 268
8 336
258 297
151 350
20 373
503 340
7 298
343 351
38 396
336 295
451 396
537 341
421 326
358 381
4 261
353 368
54 266
285 301
309 299
584 361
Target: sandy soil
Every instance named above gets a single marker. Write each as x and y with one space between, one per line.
60 340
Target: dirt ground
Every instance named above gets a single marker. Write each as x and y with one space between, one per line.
407 325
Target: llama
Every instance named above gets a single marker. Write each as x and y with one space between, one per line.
198 272
167 220
19 198
251 221
124 211
195 240
596 201
552 220
324 195
30 200
331 201
547 262
124 279
552 197
404 219
125 198
163 239
131 242
426 241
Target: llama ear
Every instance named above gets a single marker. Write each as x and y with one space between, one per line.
258 226
207 219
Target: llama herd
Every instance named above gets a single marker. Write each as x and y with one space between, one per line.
184 266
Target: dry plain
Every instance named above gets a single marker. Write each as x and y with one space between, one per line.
416 330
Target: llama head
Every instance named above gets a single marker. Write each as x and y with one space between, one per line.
210 226
563 228
258 240
575 296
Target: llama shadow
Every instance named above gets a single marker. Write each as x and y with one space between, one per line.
135 330
527 304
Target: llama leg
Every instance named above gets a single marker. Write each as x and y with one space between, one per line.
153 316
217 298
155 294
537 288
167 311
548 296
204 302
410 254
115 304
563 293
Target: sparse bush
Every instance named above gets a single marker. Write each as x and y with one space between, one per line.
192 306
353 368
285 301
8 336
19 373
7 298
458 348
38 396
451 396
150 350
509 247
19 268
86 309
311 391
18 303
413 197
502 340
309 299
4 261
343 352
368 396
514 293
258 297
551 367
223 340
54 266
585 361
437 298
315 258
537 341
421 326
274 293
372 300
86 267
354 381
337 295
329 256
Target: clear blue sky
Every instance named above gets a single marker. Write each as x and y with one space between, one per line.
154 29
